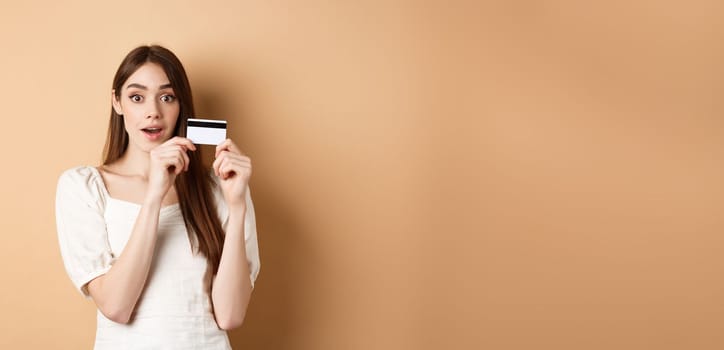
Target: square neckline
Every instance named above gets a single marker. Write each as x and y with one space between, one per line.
107 194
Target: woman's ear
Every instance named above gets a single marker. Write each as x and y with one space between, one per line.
116 104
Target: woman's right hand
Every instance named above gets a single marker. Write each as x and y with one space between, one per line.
167 161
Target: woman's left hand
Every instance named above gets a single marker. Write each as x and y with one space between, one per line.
233 170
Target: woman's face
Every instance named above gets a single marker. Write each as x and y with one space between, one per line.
149 107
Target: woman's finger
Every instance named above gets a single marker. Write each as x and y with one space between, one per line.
234 156
186 160
177 151
216 163
229 166
238 157
238 163
170 160
227 145
223 146
223 168
180 141
225 158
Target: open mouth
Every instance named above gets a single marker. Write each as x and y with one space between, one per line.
153 134
152 131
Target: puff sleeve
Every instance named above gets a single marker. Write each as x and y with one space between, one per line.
252 245
82 235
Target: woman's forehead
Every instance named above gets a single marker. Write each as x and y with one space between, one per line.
150 76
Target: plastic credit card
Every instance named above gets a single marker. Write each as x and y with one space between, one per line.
206 131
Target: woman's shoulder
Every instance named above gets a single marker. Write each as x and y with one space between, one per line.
83 181
79 174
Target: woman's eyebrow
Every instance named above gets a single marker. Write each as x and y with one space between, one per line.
134 85
139 86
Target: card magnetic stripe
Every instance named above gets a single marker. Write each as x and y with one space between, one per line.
219 125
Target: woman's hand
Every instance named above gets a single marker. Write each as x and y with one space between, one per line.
167 161
233 170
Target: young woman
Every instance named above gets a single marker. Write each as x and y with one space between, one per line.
166 249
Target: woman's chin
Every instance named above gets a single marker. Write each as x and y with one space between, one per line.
145 146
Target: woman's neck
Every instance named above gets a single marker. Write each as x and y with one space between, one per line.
134 162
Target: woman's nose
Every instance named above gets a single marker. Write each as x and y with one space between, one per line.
152 112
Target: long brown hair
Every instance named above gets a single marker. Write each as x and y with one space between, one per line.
194 187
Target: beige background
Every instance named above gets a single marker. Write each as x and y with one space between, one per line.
428 174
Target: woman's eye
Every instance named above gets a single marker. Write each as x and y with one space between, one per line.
136 98
168 98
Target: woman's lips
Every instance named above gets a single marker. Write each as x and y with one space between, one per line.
152 134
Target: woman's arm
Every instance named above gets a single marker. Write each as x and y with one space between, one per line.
231 287
117 291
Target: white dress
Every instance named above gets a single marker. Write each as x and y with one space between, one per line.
174 311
